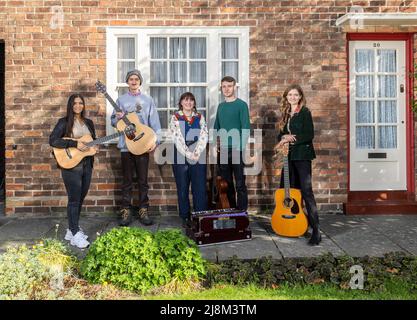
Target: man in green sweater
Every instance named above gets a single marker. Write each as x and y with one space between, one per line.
233 128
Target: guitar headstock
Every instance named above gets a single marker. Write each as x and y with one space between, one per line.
101 87
283 150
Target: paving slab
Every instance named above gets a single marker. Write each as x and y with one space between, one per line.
401 230
26 229
356 237
298 247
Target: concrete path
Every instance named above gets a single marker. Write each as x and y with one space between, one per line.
352 235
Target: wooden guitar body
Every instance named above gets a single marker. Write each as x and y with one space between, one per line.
68 158
139 137
147 137
288 218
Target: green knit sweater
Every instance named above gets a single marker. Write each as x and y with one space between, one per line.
233 117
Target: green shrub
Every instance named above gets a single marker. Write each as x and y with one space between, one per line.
136 259
325 269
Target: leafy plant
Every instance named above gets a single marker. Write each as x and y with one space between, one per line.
325 269
30 272
136 259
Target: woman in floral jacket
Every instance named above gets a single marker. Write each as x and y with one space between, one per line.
188 129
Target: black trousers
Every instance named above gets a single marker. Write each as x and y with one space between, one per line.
300 178
77 182
228 171
132 164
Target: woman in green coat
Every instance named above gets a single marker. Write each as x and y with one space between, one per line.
296 128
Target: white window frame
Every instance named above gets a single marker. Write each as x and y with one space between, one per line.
214 59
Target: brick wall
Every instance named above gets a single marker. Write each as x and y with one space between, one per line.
290 41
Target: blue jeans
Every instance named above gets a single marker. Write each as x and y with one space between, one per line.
196 175
77 182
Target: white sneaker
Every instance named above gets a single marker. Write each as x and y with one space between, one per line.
69 235
79 241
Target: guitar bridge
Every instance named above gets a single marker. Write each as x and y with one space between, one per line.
140 135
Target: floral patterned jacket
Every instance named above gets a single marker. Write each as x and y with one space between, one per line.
179 139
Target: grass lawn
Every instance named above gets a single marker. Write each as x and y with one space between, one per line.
393 291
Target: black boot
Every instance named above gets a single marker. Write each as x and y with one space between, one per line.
315 237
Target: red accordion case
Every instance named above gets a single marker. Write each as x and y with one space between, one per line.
217 226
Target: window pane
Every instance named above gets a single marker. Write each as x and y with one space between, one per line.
364 60
387 86
159 95
123 67
197 48
230 48
200 97
387 60
121 91
163 118
198 72
387 111
175 94
178 48
230 69
365 137
158 72
126 48
387 137
178 72
364 111
158 48
364 86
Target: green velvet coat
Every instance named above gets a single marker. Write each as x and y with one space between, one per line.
301 125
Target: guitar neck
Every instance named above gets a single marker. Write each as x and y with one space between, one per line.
114 104
103 139
286 177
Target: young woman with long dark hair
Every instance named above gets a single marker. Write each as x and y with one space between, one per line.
77 180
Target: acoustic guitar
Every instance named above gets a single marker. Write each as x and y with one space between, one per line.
288 218
68 158
139 137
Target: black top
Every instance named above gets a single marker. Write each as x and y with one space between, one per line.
301 125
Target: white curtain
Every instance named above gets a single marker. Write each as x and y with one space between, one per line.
387 61
365 137
364 59
365 112
386 89
173 50
230 51
125 51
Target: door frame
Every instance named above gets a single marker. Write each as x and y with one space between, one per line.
409 83
2 122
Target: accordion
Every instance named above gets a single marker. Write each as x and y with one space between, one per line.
218 226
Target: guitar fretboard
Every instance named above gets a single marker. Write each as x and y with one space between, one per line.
117 108
103 139
286 177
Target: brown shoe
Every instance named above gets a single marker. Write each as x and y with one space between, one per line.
144 217
125 217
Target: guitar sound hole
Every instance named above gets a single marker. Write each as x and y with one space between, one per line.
291 203
130 131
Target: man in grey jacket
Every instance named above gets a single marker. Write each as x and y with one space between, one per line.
135 101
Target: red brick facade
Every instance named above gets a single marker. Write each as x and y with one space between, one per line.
290 41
